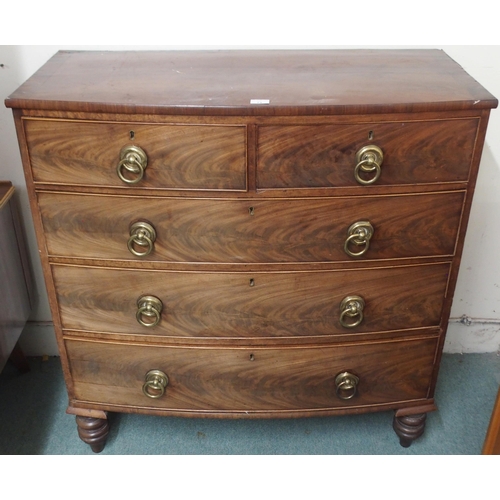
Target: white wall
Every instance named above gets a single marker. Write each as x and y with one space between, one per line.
475 324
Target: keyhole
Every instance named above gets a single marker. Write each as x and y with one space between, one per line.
132 135
252 357
251 211
252 282
370 135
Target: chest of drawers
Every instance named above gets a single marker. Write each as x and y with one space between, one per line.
251 234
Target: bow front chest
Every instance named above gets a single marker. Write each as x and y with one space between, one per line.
250 234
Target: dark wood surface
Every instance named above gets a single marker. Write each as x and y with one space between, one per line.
244 382
239 192
93 431
287 231
179 156
224 305
409 427
288 156
224 82
415 152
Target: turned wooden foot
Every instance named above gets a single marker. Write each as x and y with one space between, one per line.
93 431
409 427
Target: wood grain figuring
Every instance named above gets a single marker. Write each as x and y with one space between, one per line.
325 155
179 156
296 82
251 203
252 380
213 305
223 231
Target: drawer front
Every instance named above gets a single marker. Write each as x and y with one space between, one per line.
252 380
244 305
245 231
201 157
309 156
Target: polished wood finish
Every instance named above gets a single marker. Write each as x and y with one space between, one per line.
247 382
297 230
93 431
423 152
230 305
491 445
15 280
179 156
409 427
295 82
250 189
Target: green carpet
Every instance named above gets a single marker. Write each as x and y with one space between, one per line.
33 421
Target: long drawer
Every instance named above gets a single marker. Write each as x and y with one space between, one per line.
414 152
201 157
251 380
252 230
245 305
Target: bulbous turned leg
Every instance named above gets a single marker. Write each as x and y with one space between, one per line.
409 428
93 431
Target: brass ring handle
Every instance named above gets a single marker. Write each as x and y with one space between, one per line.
134 160
346 385
149 307
142 234
362 165
358 234
351 307
369 159
155 384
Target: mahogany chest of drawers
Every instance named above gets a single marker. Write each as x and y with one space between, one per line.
251 233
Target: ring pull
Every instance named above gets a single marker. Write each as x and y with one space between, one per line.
346 385
155 384
142 234
149 307
133 160
358 234
369 161
351 307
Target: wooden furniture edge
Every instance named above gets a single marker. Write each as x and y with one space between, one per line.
491 444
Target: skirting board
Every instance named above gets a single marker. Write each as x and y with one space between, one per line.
472 335
38 339
465 335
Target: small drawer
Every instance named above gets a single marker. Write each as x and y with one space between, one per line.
250 381
200 157
253 230
313 156
243 305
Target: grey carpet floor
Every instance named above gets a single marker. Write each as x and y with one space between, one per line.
33 421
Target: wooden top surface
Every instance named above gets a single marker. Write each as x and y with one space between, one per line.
282 82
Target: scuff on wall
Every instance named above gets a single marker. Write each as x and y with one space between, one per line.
472 335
